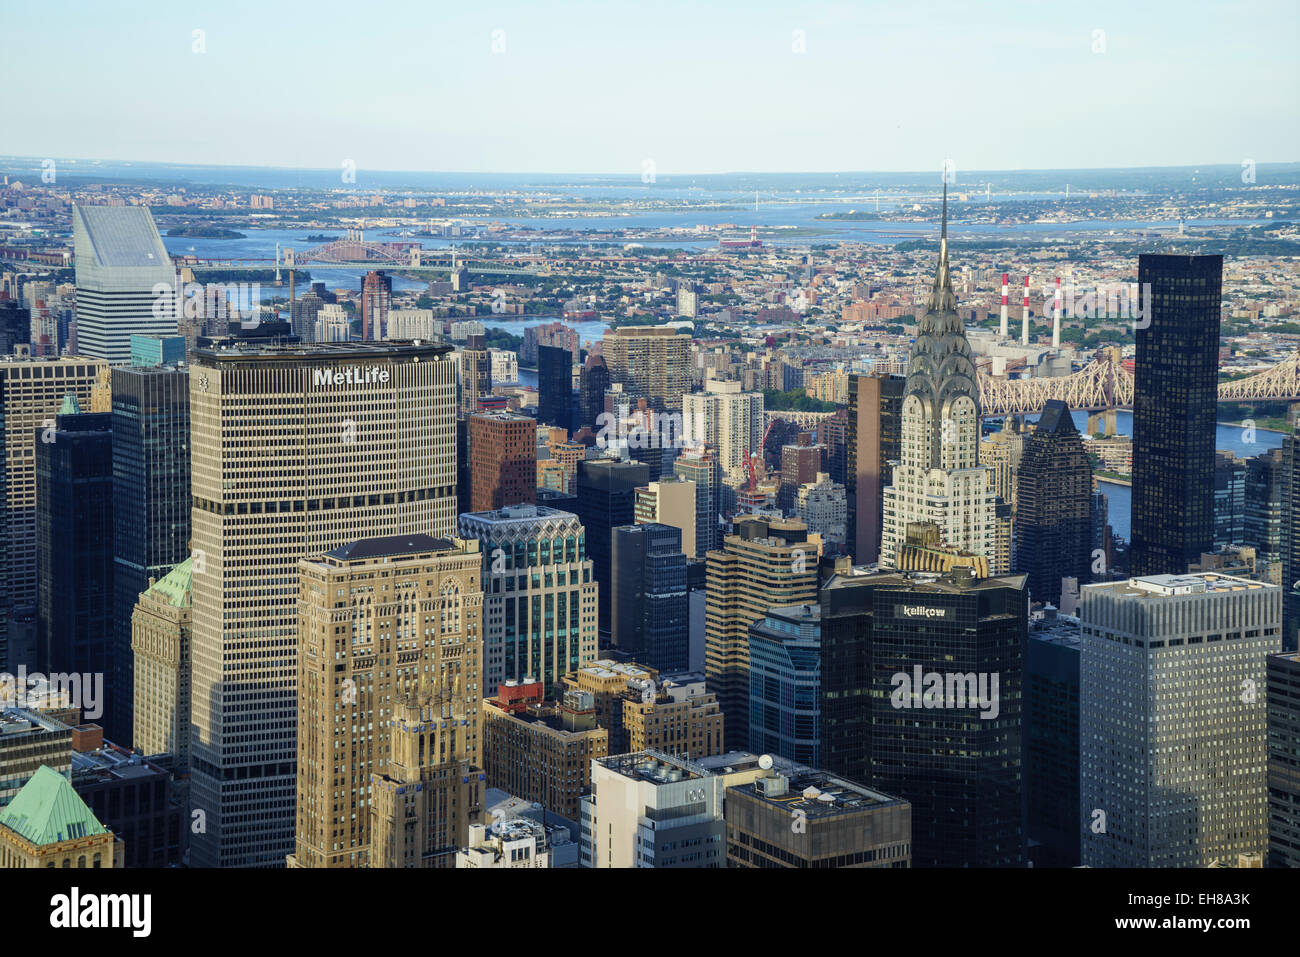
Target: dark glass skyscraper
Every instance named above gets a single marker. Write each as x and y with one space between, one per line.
648 614
74 545
151 503
948 666
595 380
875 438
1174 404
555 386
1053 530
606 499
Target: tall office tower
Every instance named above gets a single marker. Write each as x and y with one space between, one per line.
1290 538
592 387
875 422
475 373
161 642
833 432
839 823
728 420
304 311
74 547
555 334
1175 396
1263 522
1229 500
784 683
648 605
1002 452
503 460
703 470
939 478
650 362
823 506
539 751
539 594
413 600
1051 740
296 450
555 386
671 501
31 393
800 464
48 825
606 500
766 564
948 664
15 325
331 325
1053 530
629 791
126 283
376 301
1283 676
1172 725
846 606
151 501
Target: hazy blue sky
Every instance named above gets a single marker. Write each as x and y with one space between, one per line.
694 86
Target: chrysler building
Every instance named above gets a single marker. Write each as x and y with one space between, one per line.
938 478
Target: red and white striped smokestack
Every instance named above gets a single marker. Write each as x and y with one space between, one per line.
1056 317
1024 327
1002 330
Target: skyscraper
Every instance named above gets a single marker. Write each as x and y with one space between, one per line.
650 362
1172 723
1283 676
415 600
606 499
503 460
947 656
1175 396
296 450
162 627
648 613
875 421
939 478
703 469
785 684
728 420
376 301
539 594
31 393
1053 530
594 381
125 280
765 564
475 373
74 548
151 500
555 386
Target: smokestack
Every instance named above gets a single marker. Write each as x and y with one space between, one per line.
1002 330
1024 328
1056 317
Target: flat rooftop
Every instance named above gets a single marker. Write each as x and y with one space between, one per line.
654 766
818 794
234 350
392 546
1168 586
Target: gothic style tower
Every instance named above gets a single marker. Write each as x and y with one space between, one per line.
939 478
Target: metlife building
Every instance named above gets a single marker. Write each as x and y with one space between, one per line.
295 450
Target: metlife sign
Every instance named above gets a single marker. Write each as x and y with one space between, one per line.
920 611
352 375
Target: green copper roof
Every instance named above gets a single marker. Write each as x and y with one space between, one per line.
70 405
47 810
175 586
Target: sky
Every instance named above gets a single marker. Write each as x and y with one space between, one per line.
687 87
